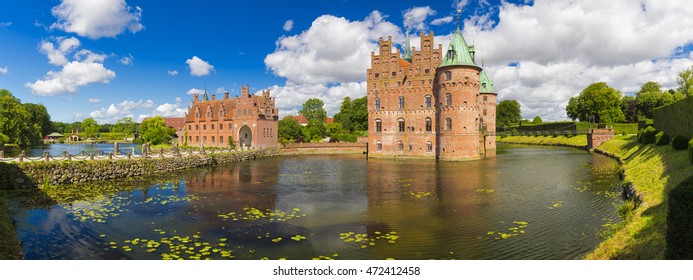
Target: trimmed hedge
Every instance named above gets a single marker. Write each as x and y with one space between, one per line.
679 237
679 143
662 139
640 133
648 137
676 118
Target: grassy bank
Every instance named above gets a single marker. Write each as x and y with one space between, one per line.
10 247
578 141
654 171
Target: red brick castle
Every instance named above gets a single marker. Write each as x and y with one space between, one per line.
431 104
250 121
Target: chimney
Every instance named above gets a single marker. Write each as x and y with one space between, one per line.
214 97
226 95
195 97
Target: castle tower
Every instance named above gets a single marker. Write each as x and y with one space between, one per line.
487 103
456 88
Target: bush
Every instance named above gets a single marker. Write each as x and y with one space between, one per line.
662 139
679 237
640 133
679 143
690 151
648 137
514 132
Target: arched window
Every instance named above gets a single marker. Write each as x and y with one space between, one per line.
448 124
448 75
379 146
429 125
448 99
221 139
400 145
428 101
378 125
377 103
212 139
429 146
401 102
401 125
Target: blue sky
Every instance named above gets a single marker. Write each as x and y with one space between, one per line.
109 59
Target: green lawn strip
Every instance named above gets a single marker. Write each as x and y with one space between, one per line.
653 170
578 141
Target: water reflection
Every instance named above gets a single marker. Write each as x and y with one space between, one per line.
527 203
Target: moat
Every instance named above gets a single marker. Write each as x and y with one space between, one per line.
527 203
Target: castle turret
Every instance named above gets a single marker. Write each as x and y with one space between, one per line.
487 104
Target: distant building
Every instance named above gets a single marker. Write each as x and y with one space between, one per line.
248 120
304 121
426 103
53 136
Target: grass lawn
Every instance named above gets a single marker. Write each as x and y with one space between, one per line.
654 171
561 140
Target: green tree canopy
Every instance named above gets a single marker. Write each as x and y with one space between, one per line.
155 131
598 100
313 109
651 96
289 129
39 116
629 107
508 112
125 126
90 127
353 115
685 81
15 121
537 120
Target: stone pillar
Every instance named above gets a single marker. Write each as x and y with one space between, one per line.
2 154
91 156
46 156
110 156
161 153
129 155
115 148
144 150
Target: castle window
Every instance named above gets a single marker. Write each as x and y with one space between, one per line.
197 139
378 125
377 75
374 86
212 139
484 112
189 138
428 101
485 98
212 126
197 127
429 125
429 146
189 127
221 139
427 71
400 145
401 125
401 102
221 127
377 103
204 139
204 127
448 75
411 147
451 53
379 146
448 99
394 73
409 83
448 124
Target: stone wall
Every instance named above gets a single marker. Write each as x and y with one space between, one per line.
68 172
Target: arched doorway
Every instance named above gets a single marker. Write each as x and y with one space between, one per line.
245 137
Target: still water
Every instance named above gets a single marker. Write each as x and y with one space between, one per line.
74 149
528 203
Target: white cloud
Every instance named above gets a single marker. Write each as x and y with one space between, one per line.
97 18
415 18
94 100
288 25
178 99
199 67
4 25
560 47
87 68
172 73
127 60
141 117
460 4
291 97
169 110
441 21
77 117
120 110
4 70
220 90
195 90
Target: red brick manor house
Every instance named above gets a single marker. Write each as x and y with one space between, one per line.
249 120
431 104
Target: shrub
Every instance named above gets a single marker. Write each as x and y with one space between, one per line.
690 151
640 133
648 137
679 143
515 132
662 139
679 237
623 133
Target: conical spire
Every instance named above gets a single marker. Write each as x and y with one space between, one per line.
486 83
206 98
406 54
459 53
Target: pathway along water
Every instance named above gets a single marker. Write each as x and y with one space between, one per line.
528 203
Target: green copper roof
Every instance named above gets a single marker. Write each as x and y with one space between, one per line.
458 53
206 98
406 54
486 83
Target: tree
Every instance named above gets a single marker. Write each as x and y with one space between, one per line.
15 121
125 126
90 127
333 129
651 96
313 109
155 131
61 127
508 112
39 116
685 81
289 129
537 120
598 100
353 115
629 107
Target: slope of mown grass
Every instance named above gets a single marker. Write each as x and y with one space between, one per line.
578 141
